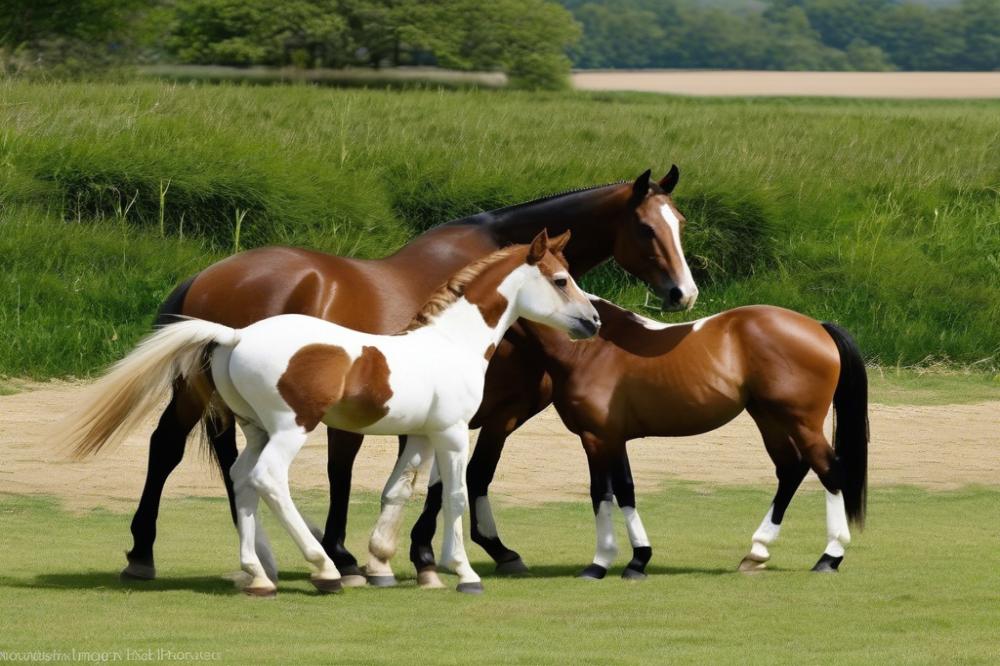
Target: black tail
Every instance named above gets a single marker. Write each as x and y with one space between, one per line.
850 429
173 306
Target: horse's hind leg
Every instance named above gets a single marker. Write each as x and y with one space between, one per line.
816 450
269 478
789 478
790 470
166 449
257 582
222 435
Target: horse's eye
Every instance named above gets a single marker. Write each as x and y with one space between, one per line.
646 231
560 282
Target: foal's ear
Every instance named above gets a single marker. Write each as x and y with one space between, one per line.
558 244
538 248
640 188
669 182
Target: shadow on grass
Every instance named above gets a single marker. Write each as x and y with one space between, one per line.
106 581
571 571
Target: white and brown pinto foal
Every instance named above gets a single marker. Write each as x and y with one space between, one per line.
285 375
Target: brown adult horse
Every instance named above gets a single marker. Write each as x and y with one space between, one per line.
640 378
622 220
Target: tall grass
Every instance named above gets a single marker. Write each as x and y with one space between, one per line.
884 216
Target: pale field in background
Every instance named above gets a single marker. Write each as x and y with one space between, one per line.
911 85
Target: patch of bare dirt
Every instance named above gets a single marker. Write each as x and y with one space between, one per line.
923 85
940 447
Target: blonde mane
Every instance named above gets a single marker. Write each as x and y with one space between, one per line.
454 288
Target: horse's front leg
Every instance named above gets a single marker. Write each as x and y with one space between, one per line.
451 450
602 497
624 489
342 448
416 454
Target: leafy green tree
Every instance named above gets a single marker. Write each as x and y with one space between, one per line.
980 21
31 21
619 36
525 38
306 33
866 57
918 38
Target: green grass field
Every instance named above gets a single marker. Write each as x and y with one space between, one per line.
918 586
880 215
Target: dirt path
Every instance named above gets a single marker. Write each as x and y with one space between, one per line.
937 447
923 85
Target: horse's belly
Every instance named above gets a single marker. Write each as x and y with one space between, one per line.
693 419
685 412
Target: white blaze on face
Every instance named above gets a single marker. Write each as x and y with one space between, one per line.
686 282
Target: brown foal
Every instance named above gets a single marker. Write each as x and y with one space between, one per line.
640 378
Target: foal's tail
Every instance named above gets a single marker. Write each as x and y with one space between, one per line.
850 430
133 386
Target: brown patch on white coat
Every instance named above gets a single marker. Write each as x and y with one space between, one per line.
321 379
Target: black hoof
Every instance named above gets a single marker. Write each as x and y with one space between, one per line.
382 581
138 571
593 572
350 570
470 588
515 567
327 586
828 564
633 574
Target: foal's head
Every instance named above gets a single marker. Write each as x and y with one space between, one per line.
648 243
549 294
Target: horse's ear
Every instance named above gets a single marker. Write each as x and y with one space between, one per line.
669 182
538 248
558 244
640 188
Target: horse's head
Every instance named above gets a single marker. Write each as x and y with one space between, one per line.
648 241
550 295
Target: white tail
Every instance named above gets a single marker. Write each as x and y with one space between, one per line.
133 386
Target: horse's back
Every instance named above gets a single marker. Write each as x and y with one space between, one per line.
270 281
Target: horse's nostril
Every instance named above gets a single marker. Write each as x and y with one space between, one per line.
676 295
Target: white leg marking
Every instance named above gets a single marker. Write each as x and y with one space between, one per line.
765 535
485 521
636 531
837 532
247 500
270 478
398 489
607 547
451 450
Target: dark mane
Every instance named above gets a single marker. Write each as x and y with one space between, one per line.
534 202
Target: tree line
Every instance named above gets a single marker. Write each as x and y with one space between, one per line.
527 39
534 41
789 34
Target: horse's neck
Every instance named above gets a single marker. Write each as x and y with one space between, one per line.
558 350
591 216
481 316
440 252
